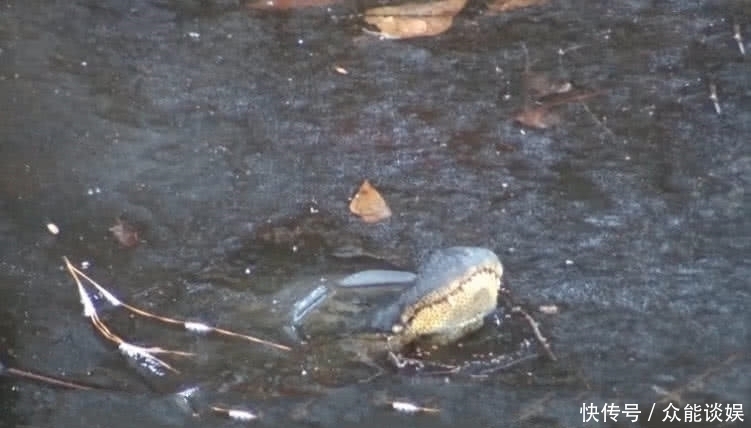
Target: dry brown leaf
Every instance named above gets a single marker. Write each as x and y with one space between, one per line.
435 8
287 4
539 117
542 116
125 233
369 205
501 6
413 19
397 27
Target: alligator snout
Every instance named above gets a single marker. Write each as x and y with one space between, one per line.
456 288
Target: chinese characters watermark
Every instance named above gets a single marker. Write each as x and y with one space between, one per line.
710 412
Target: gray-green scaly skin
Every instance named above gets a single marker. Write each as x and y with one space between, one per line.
455 289
463 281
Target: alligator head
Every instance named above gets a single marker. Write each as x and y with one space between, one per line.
456 288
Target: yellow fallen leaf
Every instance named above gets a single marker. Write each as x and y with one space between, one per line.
413 19
369 205
424 9
391 27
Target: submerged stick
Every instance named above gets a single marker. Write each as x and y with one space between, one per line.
50 380
368 278
142 356
191 326
235 414
536 329
305 305
407 407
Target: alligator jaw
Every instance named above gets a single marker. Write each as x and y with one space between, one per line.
456 288
454 310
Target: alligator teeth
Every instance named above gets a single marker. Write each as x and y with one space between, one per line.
460 303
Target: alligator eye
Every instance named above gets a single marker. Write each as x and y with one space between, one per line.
397 328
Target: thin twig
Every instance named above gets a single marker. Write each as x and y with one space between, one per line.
676 394
714 98
235 414
598 121
506 366
739 38
48 379
188 325
407 407
140 354
536 329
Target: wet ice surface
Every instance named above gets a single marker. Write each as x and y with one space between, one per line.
202 139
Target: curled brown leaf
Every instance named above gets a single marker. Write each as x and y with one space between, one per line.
369 205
